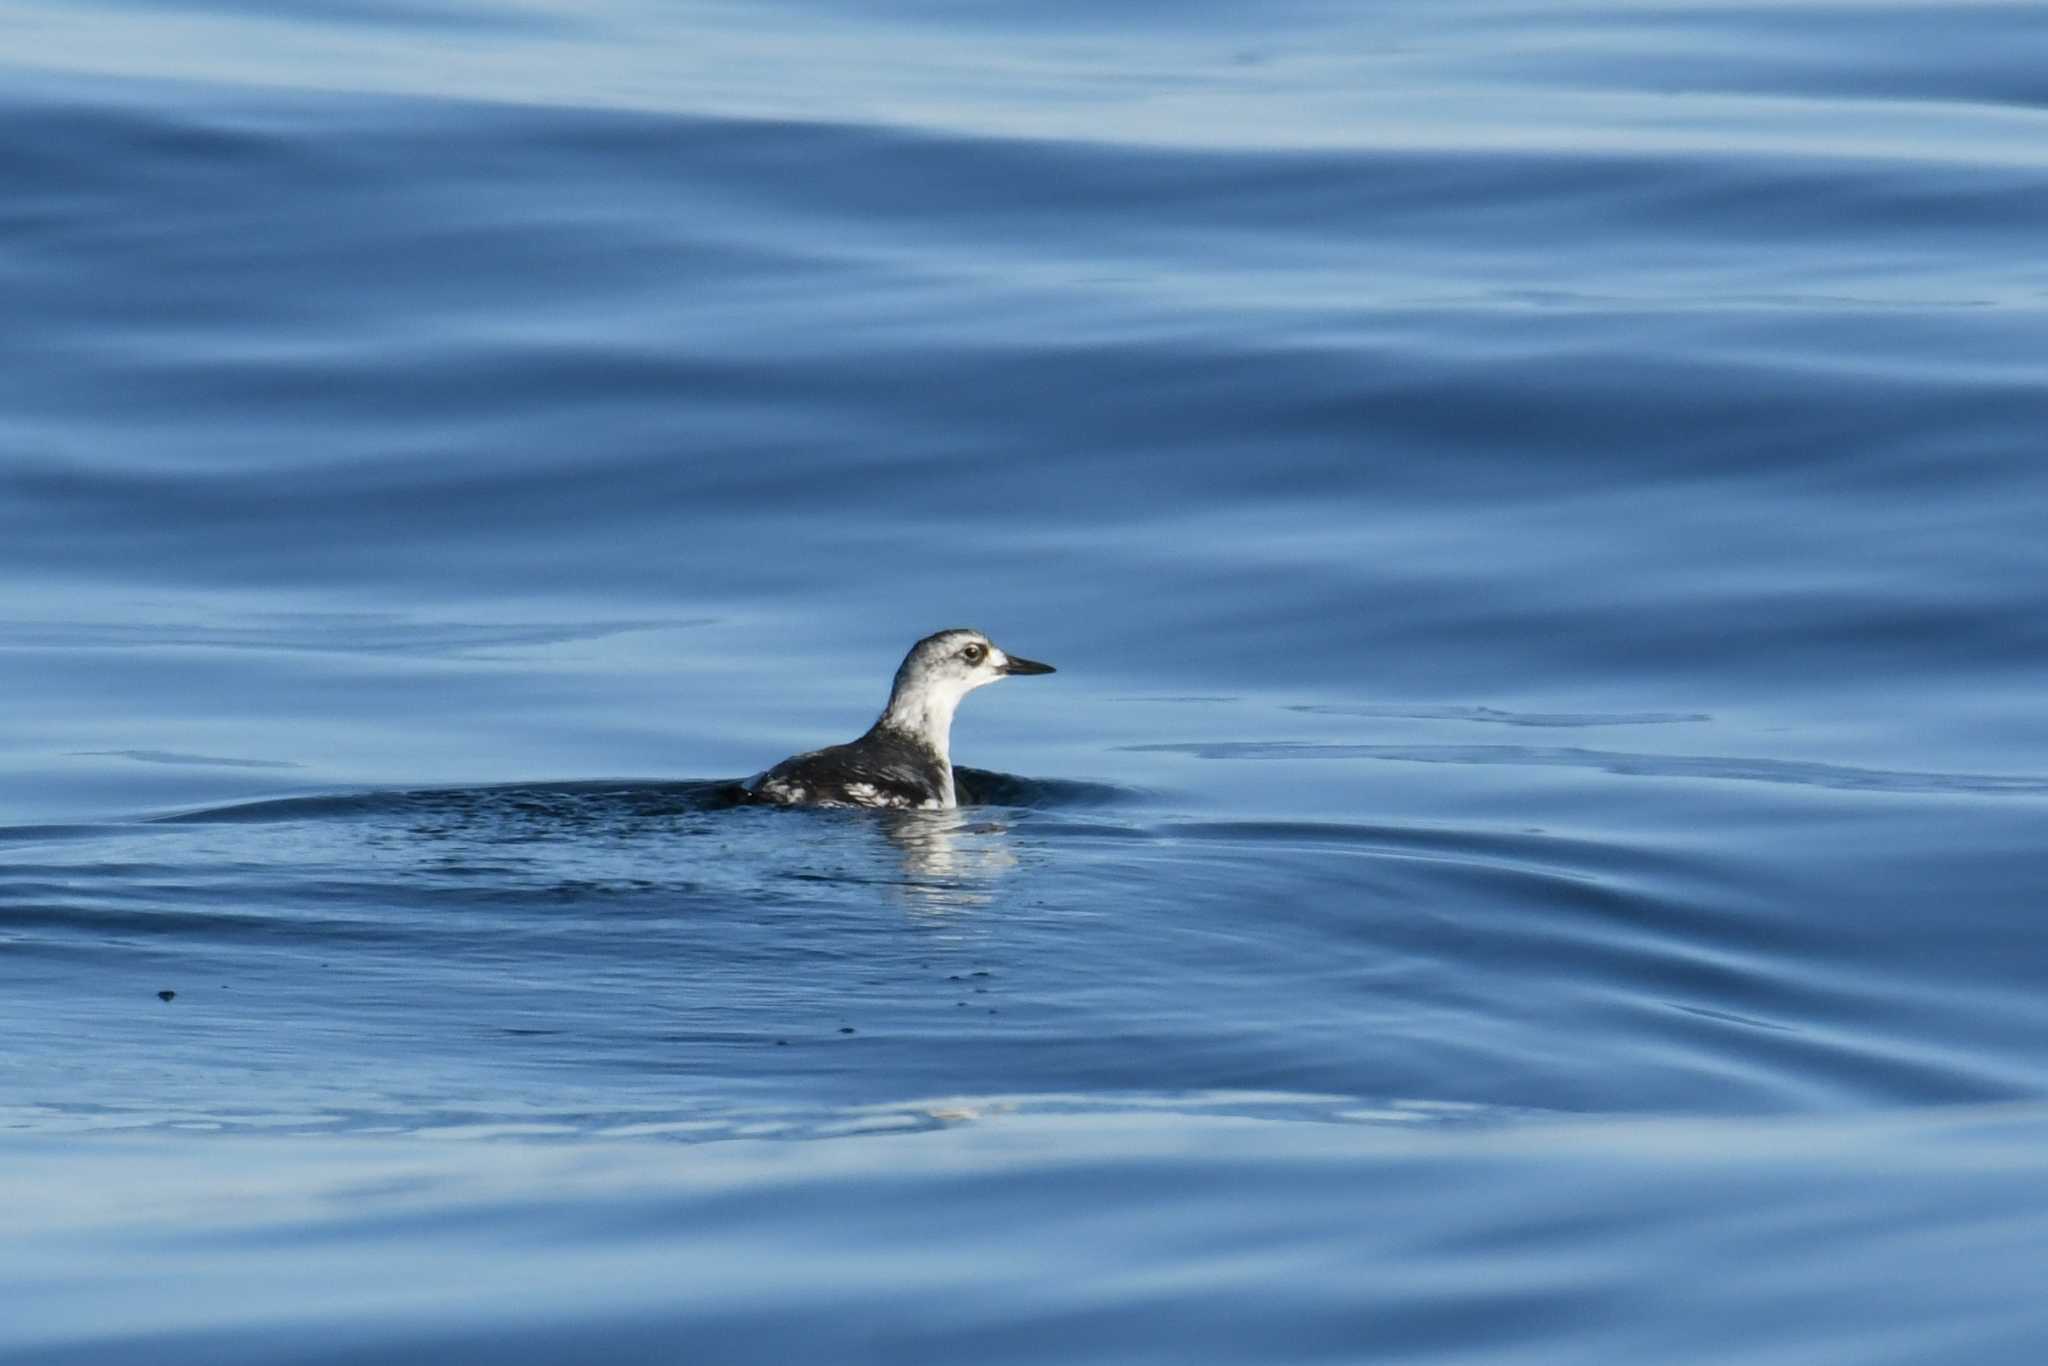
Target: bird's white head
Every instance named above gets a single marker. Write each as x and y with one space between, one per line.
940 670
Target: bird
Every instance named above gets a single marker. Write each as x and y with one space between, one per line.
905 761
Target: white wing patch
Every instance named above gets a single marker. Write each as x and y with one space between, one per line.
786 793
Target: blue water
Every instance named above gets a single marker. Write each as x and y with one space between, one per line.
1534 852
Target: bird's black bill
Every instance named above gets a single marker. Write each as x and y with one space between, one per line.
1014 665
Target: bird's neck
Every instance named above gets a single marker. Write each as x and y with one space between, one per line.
926 716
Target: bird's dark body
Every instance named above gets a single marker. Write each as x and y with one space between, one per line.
883 768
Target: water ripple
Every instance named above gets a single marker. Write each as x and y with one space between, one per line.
1838 777
1496 716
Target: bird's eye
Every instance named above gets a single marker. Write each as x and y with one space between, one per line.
972 654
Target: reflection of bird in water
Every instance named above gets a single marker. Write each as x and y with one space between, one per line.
905 760
947 865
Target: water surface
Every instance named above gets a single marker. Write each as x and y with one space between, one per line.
1533 850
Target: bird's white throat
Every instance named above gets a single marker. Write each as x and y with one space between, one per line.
924 710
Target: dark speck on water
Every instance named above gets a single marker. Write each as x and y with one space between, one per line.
1533 851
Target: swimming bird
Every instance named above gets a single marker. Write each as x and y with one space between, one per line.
906 758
